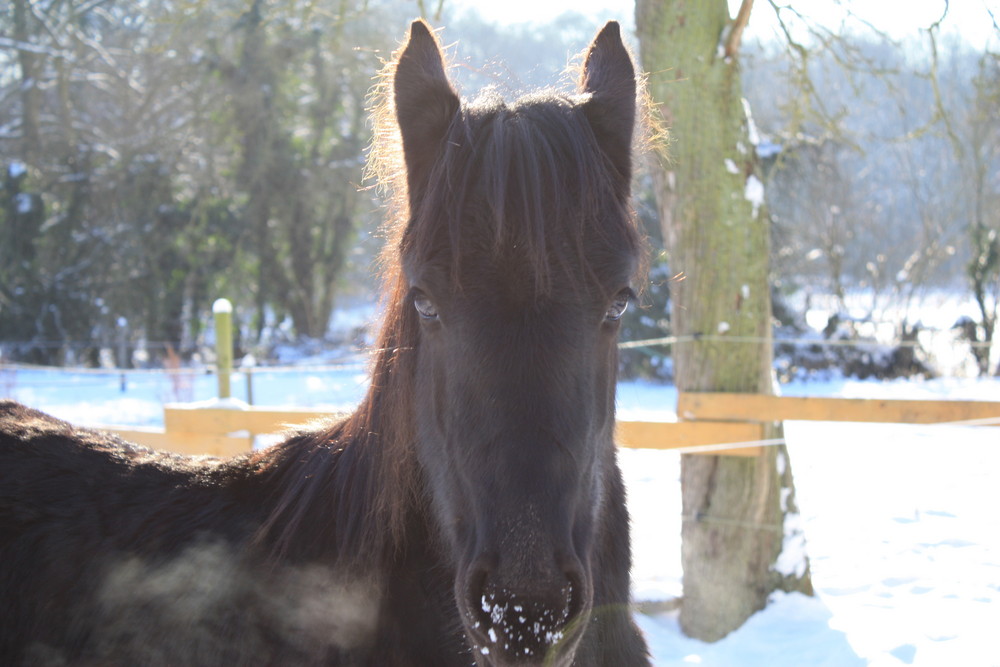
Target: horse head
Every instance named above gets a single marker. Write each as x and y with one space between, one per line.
518 255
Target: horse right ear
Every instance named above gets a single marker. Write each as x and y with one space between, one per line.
609 78
425 103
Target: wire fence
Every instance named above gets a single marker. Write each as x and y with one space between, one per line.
775 442
359 359
180 377
821 342
187 371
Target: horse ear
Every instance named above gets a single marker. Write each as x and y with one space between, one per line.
425 103
609 79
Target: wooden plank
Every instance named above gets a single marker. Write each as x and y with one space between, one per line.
680 435
269 420
207 444
222 432
220 421
152 438
185 442
760 408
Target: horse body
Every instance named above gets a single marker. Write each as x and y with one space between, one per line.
471 511
115 554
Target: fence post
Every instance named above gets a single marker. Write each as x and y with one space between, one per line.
121 332
249 372
222 309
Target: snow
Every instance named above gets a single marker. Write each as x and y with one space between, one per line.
793 559
16 169
214 403
899 522
753 134
754 192
22 202
767 149
794 631
222 307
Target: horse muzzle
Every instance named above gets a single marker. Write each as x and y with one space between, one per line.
517 618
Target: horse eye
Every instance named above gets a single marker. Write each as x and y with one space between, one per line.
424 306
619 305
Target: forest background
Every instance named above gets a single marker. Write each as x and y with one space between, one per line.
157 156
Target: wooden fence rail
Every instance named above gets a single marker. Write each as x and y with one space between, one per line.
734 422
759 408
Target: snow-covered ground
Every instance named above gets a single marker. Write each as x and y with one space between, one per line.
900 521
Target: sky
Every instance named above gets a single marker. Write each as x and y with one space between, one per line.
899 18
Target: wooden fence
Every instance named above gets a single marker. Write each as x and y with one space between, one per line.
715 423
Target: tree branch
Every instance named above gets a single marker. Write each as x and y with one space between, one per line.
737 27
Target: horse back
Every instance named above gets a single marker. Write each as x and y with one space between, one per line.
86 520
93 486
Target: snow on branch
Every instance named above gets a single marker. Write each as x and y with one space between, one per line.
39 49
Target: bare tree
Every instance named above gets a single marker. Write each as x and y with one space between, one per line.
176 154
973 130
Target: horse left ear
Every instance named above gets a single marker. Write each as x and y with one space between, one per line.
425 104
609 78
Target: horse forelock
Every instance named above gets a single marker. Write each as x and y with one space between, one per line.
531 142
515 182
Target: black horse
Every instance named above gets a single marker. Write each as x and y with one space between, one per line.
470 512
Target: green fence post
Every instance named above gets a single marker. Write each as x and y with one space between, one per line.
222 309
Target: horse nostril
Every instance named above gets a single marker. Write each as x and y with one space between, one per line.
577 600
478 609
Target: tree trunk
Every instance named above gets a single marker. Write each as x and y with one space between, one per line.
740 536
30 90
